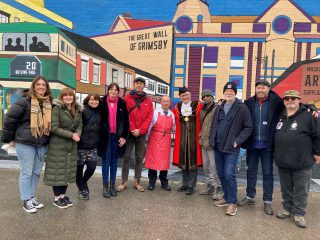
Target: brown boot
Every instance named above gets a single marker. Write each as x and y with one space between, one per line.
122 186
138 186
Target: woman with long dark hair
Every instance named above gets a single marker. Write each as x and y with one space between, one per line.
61 159
114 131
27 126
89 142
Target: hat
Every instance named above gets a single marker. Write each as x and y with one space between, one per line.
230 85
140 79
183 90
262 82
206 92
292 93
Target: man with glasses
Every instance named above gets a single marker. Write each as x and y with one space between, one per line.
297 147
187 151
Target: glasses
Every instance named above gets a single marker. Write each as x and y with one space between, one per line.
290 98
185 95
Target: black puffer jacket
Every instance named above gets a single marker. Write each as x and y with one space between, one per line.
16 125
91 121
122 126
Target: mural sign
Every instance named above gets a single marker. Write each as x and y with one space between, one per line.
310 81
25 66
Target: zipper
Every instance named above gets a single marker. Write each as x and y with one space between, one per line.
259 137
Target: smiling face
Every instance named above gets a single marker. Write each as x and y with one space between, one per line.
138 86
94 103
67 99
229 95
165 102
291 103
40 87
262 91
113 92
185 97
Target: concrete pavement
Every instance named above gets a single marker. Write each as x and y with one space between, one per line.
157 215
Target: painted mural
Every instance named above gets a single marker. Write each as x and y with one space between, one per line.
195 43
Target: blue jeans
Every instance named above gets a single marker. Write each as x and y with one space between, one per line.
31 159
226 164
267 172
109 163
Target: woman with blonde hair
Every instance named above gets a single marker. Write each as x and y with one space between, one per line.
27 126
61 159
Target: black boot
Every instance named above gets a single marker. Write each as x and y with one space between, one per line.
106 190
113 190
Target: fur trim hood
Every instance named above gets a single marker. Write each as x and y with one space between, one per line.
59 103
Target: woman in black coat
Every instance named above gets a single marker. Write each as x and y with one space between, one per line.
89 142
113 134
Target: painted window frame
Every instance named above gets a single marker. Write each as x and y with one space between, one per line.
96 67
162 89
86 69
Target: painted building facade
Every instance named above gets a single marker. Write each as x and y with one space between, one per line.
211 50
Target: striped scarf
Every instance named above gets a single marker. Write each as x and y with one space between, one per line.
40 119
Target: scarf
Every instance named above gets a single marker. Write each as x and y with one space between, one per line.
40 119
137 95
112 114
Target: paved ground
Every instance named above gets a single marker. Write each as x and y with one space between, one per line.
150 215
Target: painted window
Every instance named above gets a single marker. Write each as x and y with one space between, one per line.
237 79
184 24
302 27
84 70
162 89
237 58
259 28
96 73
14 42
209 82
114 75
62 46
318 51
151 85
128 80
226 27
210 57
4 17
281 24
38 42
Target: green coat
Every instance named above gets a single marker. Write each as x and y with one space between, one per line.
61 158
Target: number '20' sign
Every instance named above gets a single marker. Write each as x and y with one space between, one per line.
25 66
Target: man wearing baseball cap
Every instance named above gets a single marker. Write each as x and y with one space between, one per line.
297 147
231 127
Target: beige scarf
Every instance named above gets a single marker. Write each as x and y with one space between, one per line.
40 121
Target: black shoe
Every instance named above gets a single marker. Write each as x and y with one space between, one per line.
166 187
36 204
85 188
67 200
29 207
190 191
106 191
151 187
182 189
268 209
60 203
113 190
83 195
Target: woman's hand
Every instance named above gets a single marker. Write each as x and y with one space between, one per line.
12 143
75 137
122 141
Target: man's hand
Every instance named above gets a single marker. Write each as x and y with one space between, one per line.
122 141
235 145
317 159
136 133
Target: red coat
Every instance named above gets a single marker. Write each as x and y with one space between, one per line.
140 117
180 141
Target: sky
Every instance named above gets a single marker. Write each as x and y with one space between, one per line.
92 17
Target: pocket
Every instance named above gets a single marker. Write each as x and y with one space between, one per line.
287 158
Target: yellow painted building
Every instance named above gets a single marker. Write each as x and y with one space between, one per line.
30 11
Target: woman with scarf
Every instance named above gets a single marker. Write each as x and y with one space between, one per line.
27 126
61 159
114 131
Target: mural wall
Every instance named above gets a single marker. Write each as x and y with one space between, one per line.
195 45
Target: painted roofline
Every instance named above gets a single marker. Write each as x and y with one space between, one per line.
291 70
293 3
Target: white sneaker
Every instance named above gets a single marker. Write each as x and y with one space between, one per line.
36 204
28 206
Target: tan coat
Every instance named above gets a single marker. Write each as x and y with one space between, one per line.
206 117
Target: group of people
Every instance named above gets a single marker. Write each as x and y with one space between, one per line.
70 137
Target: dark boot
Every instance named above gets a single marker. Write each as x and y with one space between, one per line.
113 190
106 190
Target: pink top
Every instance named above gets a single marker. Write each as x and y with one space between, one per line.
112 114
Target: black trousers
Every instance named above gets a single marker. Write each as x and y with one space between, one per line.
152 174
59 190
